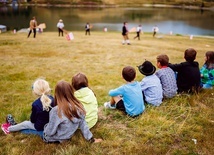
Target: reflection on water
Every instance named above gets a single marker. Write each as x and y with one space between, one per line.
178 21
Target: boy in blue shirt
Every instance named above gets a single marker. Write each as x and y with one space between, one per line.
128 97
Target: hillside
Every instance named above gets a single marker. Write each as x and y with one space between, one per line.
181 125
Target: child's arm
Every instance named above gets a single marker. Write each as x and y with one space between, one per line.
33 114
143 85
85 130
175 67
54 121
117 91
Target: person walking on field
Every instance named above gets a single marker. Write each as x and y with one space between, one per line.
87 29
139 28
33 25
155 30
60 26
125 34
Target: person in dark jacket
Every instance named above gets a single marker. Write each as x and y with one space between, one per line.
125 34
87 29
188 73
39 115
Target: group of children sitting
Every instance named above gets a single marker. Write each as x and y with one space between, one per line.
169 80
55 119
74 105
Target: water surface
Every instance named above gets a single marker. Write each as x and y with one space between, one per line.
177 21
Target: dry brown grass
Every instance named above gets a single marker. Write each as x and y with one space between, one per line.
168 129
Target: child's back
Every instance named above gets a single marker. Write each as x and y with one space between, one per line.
166 76
87 97
188 74
132 97
89 101
128 97
150 84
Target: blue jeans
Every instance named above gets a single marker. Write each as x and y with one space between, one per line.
207 86
33 132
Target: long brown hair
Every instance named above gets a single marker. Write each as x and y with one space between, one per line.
210 58
66 101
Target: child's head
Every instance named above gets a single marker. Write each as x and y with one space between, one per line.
190 54
129 73
209 59
162 60
41 88
79 81
147 68
66 101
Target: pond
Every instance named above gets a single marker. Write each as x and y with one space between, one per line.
176 21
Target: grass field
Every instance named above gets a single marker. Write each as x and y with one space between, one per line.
168 129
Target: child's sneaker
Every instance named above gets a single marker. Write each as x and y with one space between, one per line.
108 105
4 128
10 120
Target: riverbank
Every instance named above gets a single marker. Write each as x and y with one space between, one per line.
112 3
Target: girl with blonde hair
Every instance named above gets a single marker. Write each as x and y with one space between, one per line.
40 111
66 117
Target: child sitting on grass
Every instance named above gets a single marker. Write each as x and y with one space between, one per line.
188 73
166 76
207 70
66 117
40 112
87 97
128 97
150 84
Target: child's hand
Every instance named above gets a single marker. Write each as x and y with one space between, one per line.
97 140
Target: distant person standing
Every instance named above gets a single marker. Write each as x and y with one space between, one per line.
155 30
60 26
87 29
33 25
125 34
139 29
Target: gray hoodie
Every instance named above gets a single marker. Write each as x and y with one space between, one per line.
61 129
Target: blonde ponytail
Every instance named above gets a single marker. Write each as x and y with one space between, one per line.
41 88
46 102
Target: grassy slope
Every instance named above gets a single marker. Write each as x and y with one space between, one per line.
168 129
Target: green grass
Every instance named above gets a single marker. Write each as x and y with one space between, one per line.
168 129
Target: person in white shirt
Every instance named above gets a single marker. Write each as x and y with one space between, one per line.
60 26
139 29
155 30
87 29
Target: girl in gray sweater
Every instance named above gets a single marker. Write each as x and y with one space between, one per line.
66 117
